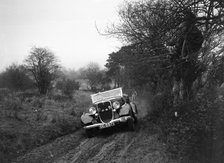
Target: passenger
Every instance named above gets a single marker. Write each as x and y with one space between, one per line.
133 95
127 107
134 108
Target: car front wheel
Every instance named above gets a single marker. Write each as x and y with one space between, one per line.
131 125
89 133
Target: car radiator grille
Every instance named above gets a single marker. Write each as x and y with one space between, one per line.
105 112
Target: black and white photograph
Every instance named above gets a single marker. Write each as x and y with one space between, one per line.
111 81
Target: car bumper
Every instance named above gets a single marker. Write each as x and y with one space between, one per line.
114 121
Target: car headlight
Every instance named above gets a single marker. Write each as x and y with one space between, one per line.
116 105
92 110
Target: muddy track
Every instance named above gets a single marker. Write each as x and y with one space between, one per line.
119 147
113 145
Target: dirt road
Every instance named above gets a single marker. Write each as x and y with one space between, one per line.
113 145
117 146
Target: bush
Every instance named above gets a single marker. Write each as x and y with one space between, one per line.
191 133
11 107
15 78
4 93
196 133
68 87
189 130
58 97
26 124
162 107
37 101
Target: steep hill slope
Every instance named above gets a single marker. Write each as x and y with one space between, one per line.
112 145
142 145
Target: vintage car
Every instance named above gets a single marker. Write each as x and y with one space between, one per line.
109 108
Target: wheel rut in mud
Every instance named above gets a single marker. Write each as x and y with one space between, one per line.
112 145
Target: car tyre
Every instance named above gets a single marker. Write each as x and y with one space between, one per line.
89 133
135 119
131 125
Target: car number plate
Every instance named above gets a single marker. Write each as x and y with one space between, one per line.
106 125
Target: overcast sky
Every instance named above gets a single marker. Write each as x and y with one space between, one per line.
67 27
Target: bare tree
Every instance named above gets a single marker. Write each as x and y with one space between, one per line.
151 24
93 74
43 65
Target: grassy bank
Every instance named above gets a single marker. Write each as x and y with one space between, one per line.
29 122
195 134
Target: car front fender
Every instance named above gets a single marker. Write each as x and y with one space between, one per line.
86 118
125 111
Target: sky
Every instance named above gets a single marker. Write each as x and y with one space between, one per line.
66 27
